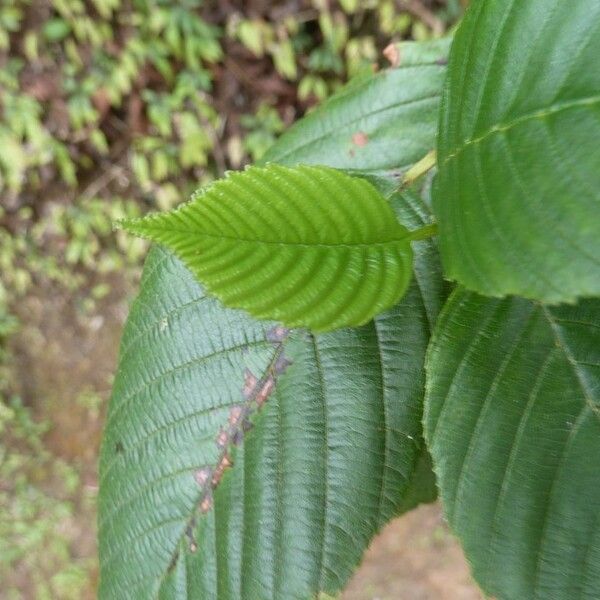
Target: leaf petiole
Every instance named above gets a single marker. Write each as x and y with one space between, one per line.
423 233
420 168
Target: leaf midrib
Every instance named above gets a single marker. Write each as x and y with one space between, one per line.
189 518
542 113
563 346
405 237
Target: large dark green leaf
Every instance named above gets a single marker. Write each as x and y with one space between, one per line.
513 423
326 464
330 456
518 192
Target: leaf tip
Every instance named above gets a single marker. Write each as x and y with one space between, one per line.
134 226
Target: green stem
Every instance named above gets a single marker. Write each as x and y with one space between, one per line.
420 168
423 233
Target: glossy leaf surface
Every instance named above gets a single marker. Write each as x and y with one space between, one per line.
518 193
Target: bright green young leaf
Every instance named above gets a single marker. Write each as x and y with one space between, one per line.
518 192
341 428
512 420
306 246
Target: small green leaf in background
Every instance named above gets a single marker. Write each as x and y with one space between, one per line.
307 246
518 193
512 419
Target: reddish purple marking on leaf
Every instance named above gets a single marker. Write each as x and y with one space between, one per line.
265 390
237 437
281 364
250 382
255 392
360 139
235 415
222 438
202 476
278 334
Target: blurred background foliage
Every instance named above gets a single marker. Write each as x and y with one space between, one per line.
109 108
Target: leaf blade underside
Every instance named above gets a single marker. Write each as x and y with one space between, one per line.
377 383
512 420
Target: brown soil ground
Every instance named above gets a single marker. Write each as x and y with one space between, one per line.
414 558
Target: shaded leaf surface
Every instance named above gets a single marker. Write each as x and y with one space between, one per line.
306 246
518 192
513 423
308 488
395 113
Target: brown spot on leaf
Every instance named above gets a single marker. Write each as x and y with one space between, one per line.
224 463
206 504
265 390
235 415
119 448
222 438
392 53
278 334
256 392
360 139
250 382
202 476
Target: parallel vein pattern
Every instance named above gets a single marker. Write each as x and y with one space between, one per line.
307 246
323 469
169 401
329 459
185 365
513 423
517 197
